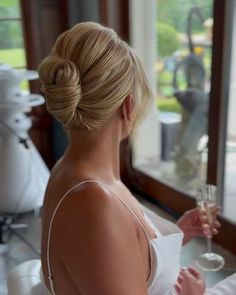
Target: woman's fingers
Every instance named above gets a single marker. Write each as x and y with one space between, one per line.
217 224
194 272
202 216
206 230
190 271
193 282
187 275
178 284
180 279
215 231
203 213
210 230
177 288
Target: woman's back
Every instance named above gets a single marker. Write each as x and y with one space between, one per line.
71 222
165 247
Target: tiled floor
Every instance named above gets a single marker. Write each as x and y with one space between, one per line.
16 251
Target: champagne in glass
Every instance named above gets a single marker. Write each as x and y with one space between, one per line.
209 208
207 202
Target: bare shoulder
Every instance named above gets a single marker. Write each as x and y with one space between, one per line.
92 210
88 200
101 243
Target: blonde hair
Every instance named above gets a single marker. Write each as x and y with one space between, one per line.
87 76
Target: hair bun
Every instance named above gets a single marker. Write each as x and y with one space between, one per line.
61 72
62 88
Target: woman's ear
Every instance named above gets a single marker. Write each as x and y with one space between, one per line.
128 107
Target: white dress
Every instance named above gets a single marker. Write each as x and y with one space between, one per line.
164 253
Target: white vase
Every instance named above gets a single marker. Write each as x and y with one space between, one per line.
23 174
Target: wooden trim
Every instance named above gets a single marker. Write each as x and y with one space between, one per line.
221 54
115 14
103 11
226 236
219 97
63 7
125 20
29 23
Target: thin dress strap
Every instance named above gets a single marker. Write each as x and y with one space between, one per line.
50 277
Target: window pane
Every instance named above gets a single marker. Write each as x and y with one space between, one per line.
11 44
183 70
10 8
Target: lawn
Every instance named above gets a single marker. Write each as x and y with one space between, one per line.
168 105
14 57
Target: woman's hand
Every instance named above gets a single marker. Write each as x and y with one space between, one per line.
190 282
194 223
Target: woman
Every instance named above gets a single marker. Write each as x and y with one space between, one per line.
96 237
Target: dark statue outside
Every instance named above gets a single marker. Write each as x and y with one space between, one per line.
194 102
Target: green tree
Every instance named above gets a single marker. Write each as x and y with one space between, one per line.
175 12
9 3
168 11
167 39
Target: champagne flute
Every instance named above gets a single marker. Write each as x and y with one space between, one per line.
207 202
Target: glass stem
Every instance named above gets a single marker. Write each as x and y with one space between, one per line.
209 244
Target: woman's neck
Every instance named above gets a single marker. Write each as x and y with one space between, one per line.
98 156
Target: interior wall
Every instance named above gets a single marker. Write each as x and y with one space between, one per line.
83 10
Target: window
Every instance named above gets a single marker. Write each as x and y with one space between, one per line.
12 50
182 70
185 140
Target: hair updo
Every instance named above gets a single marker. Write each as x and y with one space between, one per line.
87 76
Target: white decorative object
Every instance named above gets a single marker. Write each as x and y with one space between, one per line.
23 174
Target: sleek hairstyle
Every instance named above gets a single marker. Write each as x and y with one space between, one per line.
87 76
